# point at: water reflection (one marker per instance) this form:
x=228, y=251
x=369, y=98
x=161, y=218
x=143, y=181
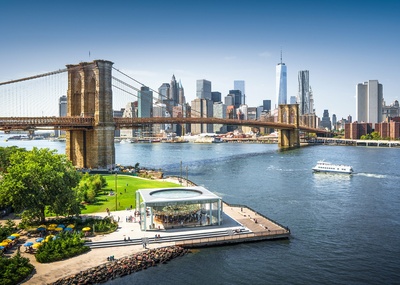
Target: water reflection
x=333, y=181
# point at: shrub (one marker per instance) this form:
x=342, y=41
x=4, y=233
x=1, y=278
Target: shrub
x=66, y=245
x=14, y=269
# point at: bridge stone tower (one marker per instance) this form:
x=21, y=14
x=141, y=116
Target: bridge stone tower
x=90, y=95
x=289, y=114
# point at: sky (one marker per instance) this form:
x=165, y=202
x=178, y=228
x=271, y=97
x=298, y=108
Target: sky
x=341, y=43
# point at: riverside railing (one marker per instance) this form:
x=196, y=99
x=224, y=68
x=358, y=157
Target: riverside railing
x=247, y=207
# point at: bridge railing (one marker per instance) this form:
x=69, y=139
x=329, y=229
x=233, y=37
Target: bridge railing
x=88, y=122
x=26, y=123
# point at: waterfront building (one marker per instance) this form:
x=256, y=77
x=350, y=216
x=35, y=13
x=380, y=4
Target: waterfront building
x=145, y=106
x=251, y=113
x=240, y=85
x=219, y=110
x=62, y=112
x=130, y=111
x=160, y=110
x=179, y=112
x=230, y=114
x=281, y=83
x=216, y=96
x=203, y=89
x=355, y=130
x=118, y=114
x=369, y=102
x=202, y=108
x=389, y=129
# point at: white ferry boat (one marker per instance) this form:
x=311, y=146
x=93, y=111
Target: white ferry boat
x=323, y=166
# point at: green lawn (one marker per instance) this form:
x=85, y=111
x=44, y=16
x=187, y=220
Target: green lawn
x=126, y=192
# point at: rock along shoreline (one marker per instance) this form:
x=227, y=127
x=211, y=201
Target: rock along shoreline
x=124, y=266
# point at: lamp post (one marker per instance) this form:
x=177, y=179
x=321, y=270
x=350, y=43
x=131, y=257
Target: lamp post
x=187, y=178
x=180, y=179
x=116, y=192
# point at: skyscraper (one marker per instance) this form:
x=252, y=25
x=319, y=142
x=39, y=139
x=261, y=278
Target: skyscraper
x=238, y=97
x=163, y=92
x=203, y=89
x=145, y=102
x=181, y=94
x=326, y=120
x=303, y=97
x=266, y=105
x=174, y=90
x=216, y=96
x=369, y=102
x=240, y=85
x=281, y=83
x=62, y=112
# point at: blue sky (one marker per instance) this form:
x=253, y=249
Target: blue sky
x=341, y=43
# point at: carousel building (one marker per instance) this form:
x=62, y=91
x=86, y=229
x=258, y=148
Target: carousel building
x=167, y=208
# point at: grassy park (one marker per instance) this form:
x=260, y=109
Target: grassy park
x=125, y=196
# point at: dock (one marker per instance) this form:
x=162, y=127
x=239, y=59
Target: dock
x=252, y=226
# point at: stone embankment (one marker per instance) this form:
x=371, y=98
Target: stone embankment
x=124, y=266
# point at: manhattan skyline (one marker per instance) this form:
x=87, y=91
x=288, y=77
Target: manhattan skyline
x=341, y=43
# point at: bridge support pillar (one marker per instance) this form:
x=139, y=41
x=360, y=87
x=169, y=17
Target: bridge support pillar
x=90, y=95
x=289, y=114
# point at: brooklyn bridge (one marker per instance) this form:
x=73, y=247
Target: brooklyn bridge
x=91, y=92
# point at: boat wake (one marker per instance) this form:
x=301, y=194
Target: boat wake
x=370, y=175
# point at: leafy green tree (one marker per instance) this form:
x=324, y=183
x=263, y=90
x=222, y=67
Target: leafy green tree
x=375, y=136
x=5, y=153
x=89, y=187
x=40, y=179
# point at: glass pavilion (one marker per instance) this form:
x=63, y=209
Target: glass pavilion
x=166, y=208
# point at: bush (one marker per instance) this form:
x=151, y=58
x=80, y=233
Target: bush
x=14, y=269
x=106, y=225
x=66, y=245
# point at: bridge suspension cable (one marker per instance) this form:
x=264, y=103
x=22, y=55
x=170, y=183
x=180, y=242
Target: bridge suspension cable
x=34, y=77
x=142, y=84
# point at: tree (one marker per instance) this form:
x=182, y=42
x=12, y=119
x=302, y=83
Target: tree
x=5, y=154
x=89, y=187
x=40, y=179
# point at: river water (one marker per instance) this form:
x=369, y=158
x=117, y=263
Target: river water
x=345, y=229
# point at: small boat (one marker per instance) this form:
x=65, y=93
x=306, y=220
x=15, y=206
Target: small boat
x=323, y=166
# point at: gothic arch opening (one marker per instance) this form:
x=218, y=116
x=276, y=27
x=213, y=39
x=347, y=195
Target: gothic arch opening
x=76, y=98
x=90, y=98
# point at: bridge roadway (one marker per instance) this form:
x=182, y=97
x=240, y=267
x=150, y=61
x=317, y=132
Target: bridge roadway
x=86, y=123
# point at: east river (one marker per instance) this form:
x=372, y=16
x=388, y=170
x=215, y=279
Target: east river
x=345, y=229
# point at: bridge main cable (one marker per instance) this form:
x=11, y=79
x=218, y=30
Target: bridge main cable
x=34, y=77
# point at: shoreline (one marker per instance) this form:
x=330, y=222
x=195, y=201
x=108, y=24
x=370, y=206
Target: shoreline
x=48, y=273
x=258, y=227
x=124, y=266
